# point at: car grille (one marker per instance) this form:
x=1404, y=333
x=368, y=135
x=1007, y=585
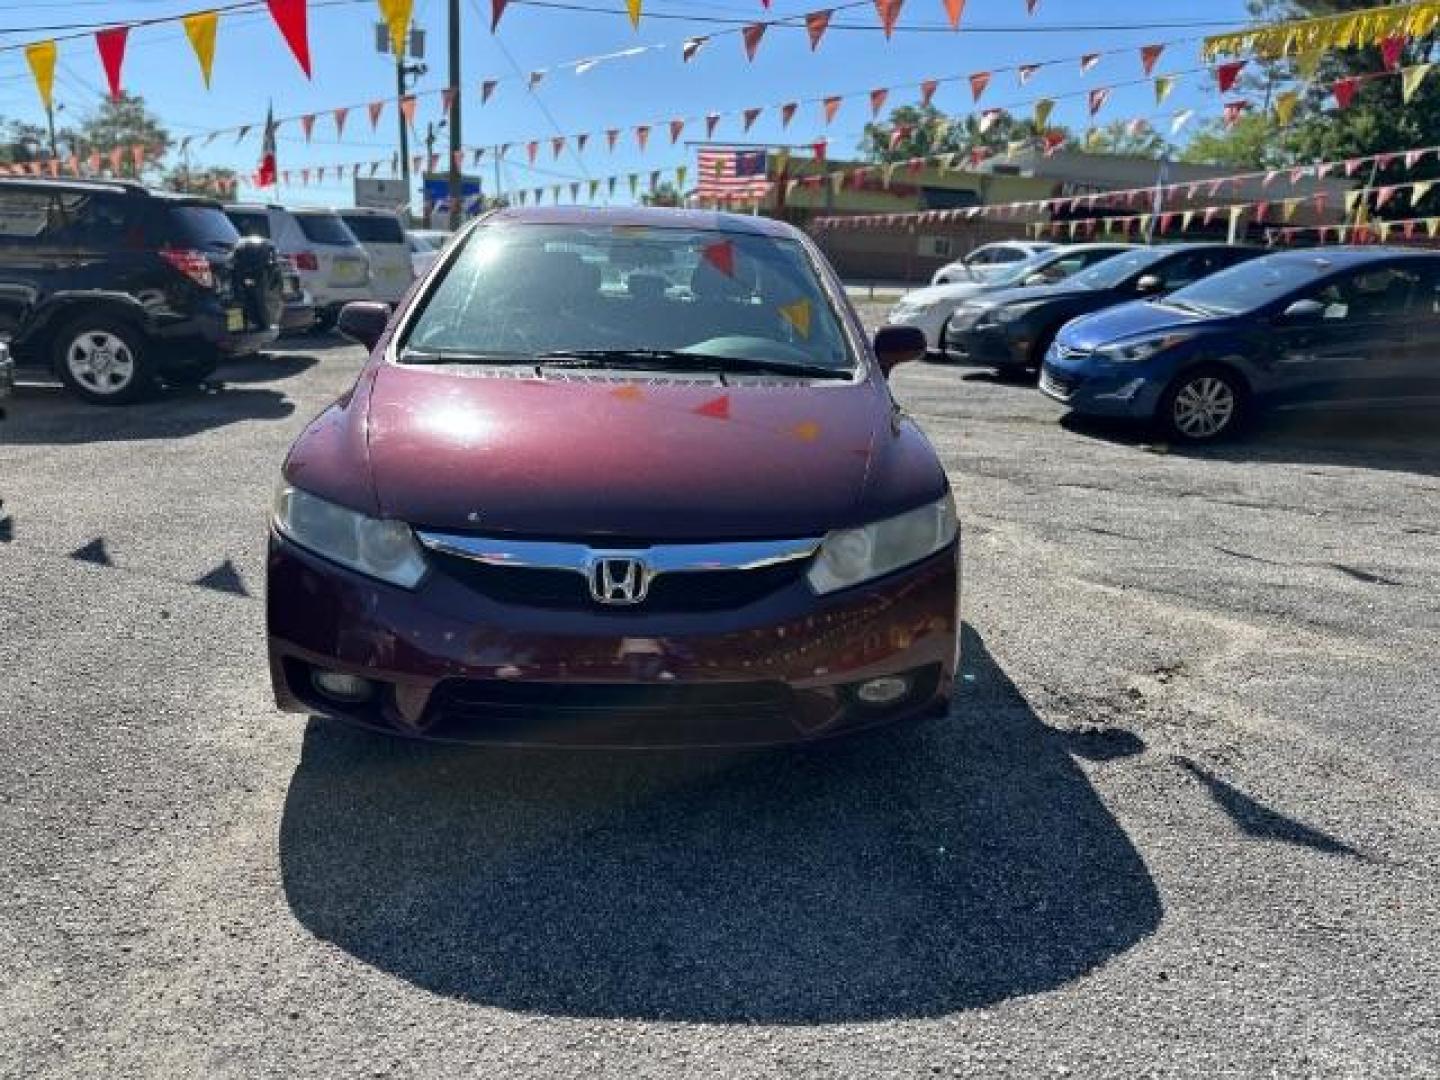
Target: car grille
x=710, y=590
x=658, y=713
x=1070, y=352
x=1060, y=386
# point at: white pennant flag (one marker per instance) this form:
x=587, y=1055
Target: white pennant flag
x=1181, y=119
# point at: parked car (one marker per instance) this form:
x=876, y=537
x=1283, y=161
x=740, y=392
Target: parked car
x=987, y=260
x=930, y=308
x=1296, y=330
x=334, y=268
x=115, y=288
x=425, y=248
x=297, y=313
x=682, y=512
x=1011, y=330
x=383, y=236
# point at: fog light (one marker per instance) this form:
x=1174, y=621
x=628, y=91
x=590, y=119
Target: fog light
x=884, y=691
x=342, y=687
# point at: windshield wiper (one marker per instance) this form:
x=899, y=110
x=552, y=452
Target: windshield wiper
x=449, y=356
x=689, y=361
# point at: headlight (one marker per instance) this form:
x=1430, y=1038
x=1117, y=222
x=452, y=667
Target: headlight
x=1008, y=313
x=1133, y=352
x=380, y=548
x=852, y=556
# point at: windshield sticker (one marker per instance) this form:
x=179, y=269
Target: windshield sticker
x=798, y=316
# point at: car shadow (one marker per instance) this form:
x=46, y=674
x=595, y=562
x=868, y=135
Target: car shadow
x=46, y=415
x=918, y=871
x=1393, y=440
x=268, y=367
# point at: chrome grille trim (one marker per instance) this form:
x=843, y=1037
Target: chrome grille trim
x=582, y=558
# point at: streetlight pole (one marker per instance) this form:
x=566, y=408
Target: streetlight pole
x=404, y=135
x=455, y=141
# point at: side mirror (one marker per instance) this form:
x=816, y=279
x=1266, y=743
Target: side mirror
x=363, y=321
x=1304, y=311
x=1037, y=279
x=896, y=345
x=1149, y=283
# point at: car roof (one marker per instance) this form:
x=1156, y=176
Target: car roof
x=653, y=217
x=312, y=211
x=1117, y=245
x=366, y=211
x=1342, y=257
x=253, y=208
x=119, y=187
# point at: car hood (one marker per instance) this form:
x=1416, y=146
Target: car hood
x=600, y=454
x=935, y=294
x=1033, y=293
x=1133, y=319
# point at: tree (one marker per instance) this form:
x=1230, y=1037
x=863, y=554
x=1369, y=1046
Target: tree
x=912, y=131
x=1118, y=137
x=199, y=181
x=666, y=194
x=1250, y=143
x=123, y=122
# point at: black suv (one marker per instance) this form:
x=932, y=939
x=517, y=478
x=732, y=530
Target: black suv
x=116, y=288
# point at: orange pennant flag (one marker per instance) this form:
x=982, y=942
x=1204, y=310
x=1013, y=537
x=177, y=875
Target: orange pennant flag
x=407, y=109
x=832, y=106
x=954, y=9
x=375, y=108
x=978, y=82
x=751, y=36
x=877, y=100
x=927, y=91
x=889, y=12
x=816, y=23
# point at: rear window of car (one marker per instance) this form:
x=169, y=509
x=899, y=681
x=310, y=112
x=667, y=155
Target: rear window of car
x=198, y=225
x=250, y=222
x=325, y=229
x=375, y=229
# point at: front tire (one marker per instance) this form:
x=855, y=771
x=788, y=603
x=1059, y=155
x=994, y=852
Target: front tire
x=104, y=360
x=1203, y=405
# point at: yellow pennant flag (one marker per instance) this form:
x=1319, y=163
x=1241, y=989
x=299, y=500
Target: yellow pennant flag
x=1290, y=207
x=1410, y=80
x=1308, y=63
x=798, y=316
x=1419, y=190
x=200, y=29
x=1186, y=220
x=633, y=6
x=1432, y=227
x=41, y=56
x=396, y=14
x=1285, y=103
x=1163, y=85
x=1043, y=108
x=1384, y=231
x=1093, y=137
x=1351, y=198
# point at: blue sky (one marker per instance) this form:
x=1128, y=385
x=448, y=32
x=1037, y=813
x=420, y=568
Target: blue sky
x=253, y=67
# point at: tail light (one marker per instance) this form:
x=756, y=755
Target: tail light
x=307, y=260
x=193, y=264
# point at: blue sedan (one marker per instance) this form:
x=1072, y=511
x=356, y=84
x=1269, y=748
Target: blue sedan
x=1331, y=328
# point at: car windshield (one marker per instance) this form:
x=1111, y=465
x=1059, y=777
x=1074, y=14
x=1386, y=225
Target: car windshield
x=1016, y=273
x=540, y=289
x=1111, y=272
x=325, y=229
x=375, y=228
x=1251, y=285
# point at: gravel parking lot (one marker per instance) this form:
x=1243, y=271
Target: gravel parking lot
x=1183, y=820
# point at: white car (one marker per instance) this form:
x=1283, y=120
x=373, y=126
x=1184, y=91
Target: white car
x=988, y=260
x=931, y=307
x=334, y=269
x=383, y=235
x=425, y=248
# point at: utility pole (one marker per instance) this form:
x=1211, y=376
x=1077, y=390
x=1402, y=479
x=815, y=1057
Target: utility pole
x=404, y=135
x=405, y=76
x=456, y=215
x=54, y=146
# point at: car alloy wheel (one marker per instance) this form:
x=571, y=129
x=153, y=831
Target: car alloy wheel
x=1204, y=407
x=101, y=362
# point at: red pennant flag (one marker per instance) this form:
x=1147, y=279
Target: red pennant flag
x=787, y=113
x=677, y=127
x=1408, y=232
x=711, y=119
x=818, y=148
x=375, y=108
x=1413, y=157
x=889, y=12
x=1392, y=49
x=1054, y=140
x=927, y=91
x=111, y=44
x=642, y=136
x=307, y=125
x=716, y=408
x=407, y=109
x=1149, y=54
x=816, y=23
x=953, y=10
x=751, y=36
x=749, y=116
x=978, y=82
x=1344, y=90
x=447, y=98
x=290, y=16
x=1232, y=111
x=720, y=255
x=497, y=8
x=487, y=88
x=1097, y=98
x=831, y=106
x=1383, y=195
x=877, y=101
x=339, y=116
x=899, y=134
x=612, y=134
x=557, y=146
x=1226, y=74
x=531, y=149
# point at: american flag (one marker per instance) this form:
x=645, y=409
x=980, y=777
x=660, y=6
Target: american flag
x=732, y=174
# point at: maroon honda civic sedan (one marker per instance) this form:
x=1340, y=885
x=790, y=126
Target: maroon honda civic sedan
x=617, y=478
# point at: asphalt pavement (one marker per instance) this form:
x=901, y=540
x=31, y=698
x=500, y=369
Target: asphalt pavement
x=1183, y=820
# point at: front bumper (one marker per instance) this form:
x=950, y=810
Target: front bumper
x=455, y=665
x=991, y=345
x=930, y=322
x=209, y=326
x=1096, y=388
